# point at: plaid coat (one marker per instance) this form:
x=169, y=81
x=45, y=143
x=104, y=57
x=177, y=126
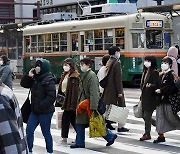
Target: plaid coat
x=12, y=139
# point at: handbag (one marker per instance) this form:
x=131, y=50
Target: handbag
x=104, y=81
x=137, y=109
x=97, y=125
x=26, y=109
x=117, y=114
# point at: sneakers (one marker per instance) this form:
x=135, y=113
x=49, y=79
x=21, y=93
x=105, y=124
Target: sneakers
x=77, y=146
x=112, y=141
x=145, y=137
x=159, y=139
x=62, y=141
x=123, y=129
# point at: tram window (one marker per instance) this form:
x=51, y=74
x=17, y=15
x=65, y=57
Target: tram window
x=40, y=43
x=167, y=40
x=74, y=38
x=34, y=43
x=89, y=41
x=48, y=43
x=55, y=41
x=98, y=39
x=154, y=39
x=27, y=44
x=138, y=40
x=108, y=38
x=63, y=41
x=119, y=34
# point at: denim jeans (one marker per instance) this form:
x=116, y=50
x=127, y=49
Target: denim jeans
x=45, y=123
x=80, y=136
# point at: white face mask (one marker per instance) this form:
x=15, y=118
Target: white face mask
x=84, y=68
x=164, y=66
x=37, y=69
x=117, y=55
x=147, y=64
x=66, y=68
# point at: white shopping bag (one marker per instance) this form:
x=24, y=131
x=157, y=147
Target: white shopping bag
x=117, y=114
x=59, y=118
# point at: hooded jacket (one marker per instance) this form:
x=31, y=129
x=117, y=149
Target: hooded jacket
x=43, y=90
x=6, y=74
x=173, y=53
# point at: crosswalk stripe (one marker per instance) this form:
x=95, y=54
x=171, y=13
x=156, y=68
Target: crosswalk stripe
x=66, y=149
x=100, y=142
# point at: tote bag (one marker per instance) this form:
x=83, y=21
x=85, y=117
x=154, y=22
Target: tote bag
x=97, y=125
x=26, y=109
x=117, y=114
x=137, y=109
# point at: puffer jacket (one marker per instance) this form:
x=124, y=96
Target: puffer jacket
x=43, y=92
x=6, y=74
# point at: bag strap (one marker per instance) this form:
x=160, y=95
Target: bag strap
x=110, y=68
x=29, y=93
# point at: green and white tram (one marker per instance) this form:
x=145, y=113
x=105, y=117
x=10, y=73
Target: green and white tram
x=137, y=35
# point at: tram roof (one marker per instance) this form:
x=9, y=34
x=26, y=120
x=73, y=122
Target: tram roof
x=71, y=25
x=162, y=8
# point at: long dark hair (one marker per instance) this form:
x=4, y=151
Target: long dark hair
x=153, y=61
x=72, y=65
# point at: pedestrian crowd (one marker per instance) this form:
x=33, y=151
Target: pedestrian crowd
x=80, y=94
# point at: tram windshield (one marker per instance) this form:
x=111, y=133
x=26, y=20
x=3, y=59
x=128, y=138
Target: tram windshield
x=154, y=39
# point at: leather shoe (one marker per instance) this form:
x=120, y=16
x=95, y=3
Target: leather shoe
x=112, y=141
x=110, y=127
x=159, y=139
x=123, y=129
x=77, y=146
x=145, y=137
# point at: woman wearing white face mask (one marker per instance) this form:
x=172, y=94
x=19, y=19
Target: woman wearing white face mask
x=68, y=87
x=149, y=83
x=88, y=89
x=165, y=118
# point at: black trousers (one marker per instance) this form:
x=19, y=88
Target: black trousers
x=68, y=117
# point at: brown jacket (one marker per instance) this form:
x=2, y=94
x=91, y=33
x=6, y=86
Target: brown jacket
x=71, y=94
x=114, y=84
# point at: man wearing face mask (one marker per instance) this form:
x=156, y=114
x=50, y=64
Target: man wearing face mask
x=113, y=92
x=43, y=94
x=68, y=87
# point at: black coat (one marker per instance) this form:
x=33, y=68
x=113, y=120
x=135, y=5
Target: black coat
x=43, y=92
x=148, y=97
x=167, y=87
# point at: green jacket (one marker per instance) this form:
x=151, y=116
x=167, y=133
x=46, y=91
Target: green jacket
x=89, y=82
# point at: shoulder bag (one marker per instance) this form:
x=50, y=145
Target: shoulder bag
x=26, y=109
x=137, y=109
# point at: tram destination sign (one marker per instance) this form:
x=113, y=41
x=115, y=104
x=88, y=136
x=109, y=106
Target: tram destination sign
x=154, y=23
